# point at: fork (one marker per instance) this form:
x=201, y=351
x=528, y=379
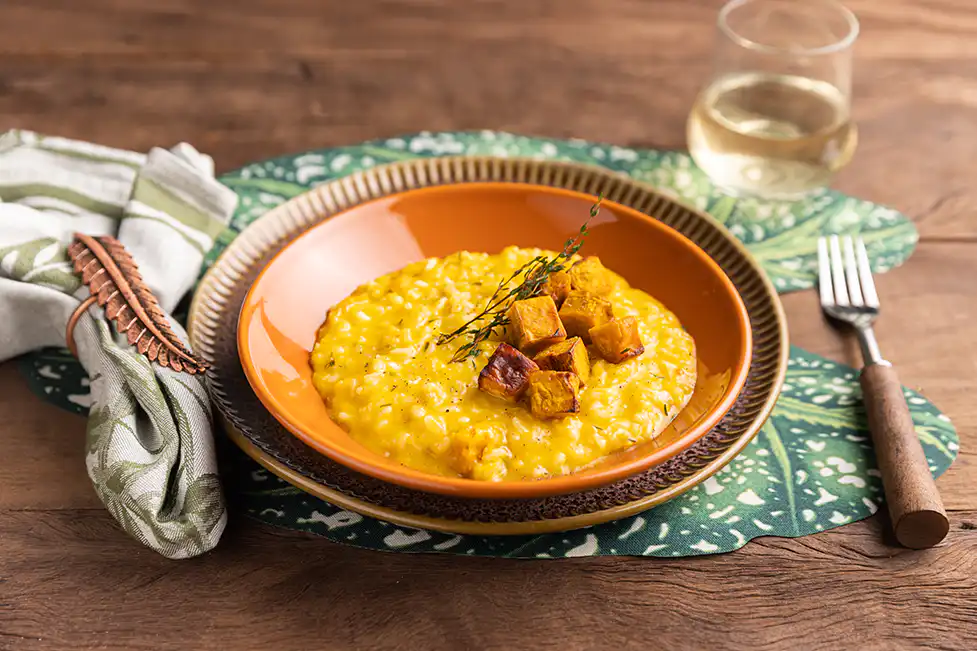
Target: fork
x=848, y=296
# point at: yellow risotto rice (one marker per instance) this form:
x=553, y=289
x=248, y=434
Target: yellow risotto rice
x=386, y=381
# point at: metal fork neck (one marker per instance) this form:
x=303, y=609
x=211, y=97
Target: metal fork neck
x=870, y=347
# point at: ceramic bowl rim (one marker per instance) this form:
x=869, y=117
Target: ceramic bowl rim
x=419, y=480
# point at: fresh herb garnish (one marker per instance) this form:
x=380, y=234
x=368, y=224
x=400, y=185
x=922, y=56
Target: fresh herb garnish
x=625, y=351
x=332, y=362
x=665, y=409
x=534, y=274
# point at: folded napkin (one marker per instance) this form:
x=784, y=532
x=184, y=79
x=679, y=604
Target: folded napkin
x=150, y=448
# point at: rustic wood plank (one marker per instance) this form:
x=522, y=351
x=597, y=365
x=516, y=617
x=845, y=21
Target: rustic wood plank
x=250, y=79
x=43, y=451
x=622, y=71
x=73, y=580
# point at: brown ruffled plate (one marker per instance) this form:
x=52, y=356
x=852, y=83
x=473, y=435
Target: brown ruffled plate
x=213, y=322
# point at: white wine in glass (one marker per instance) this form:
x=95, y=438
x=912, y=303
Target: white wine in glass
x=774, y=121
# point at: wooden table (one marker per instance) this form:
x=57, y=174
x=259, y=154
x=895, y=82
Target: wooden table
x=249, y=79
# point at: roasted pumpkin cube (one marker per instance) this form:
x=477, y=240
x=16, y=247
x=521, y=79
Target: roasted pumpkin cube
x=570, y=356
x=592, y=276
x=618, y=339
x=506, y=375
x=534, y=324
x=557, y=286
x=554, y=394
x=583, y=311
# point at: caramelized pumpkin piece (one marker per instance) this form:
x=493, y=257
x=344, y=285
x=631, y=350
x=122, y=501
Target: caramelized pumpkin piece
x=570, y=356
x=590, y=275
x=506, y=375
x=583, y=311
x=618, y=339
x=535, y=324
x=554, y=394
x=557, y=286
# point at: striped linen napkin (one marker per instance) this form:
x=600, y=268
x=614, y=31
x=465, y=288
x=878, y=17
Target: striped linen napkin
x=150, y=449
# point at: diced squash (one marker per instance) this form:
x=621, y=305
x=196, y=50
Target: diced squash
x=535, y=324
x=583, y=311
x=591, y=276
x=554, y=394
x=467, y=449
x=557, y=286
x=506, y=375
x=618, y=339
x=570, y=356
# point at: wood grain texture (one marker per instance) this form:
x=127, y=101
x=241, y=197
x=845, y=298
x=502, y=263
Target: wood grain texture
x=249, y=79
x=912, y=498
x=266, y=588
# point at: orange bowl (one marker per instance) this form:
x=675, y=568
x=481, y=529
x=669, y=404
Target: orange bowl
x=288, y=302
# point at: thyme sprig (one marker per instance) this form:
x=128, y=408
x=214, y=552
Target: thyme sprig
x=534, y=274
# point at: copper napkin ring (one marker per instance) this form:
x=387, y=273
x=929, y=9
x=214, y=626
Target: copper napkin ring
x=69, y=331
x=114, y=282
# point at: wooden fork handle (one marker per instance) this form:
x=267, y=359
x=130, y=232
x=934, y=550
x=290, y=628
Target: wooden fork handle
x=918, y=517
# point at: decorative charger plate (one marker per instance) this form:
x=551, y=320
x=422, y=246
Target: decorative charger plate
x=217, y=303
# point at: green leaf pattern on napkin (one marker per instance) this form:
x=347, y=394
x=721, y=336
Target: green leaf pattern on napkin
x=811, y=468
x=43, y=261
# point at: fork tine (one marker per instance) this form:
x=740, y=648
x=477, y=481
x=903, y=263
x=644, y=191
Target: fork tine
x=865, y=275
x=851, y=272
x=838, y=273
x=824, y=273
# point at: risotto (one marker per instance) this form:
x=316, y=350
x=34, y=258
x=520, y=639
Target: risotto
x=382, y=366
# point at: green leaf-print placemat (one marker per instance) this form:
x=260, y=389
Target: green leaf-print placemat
x=811, y=467
x=783, y=236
